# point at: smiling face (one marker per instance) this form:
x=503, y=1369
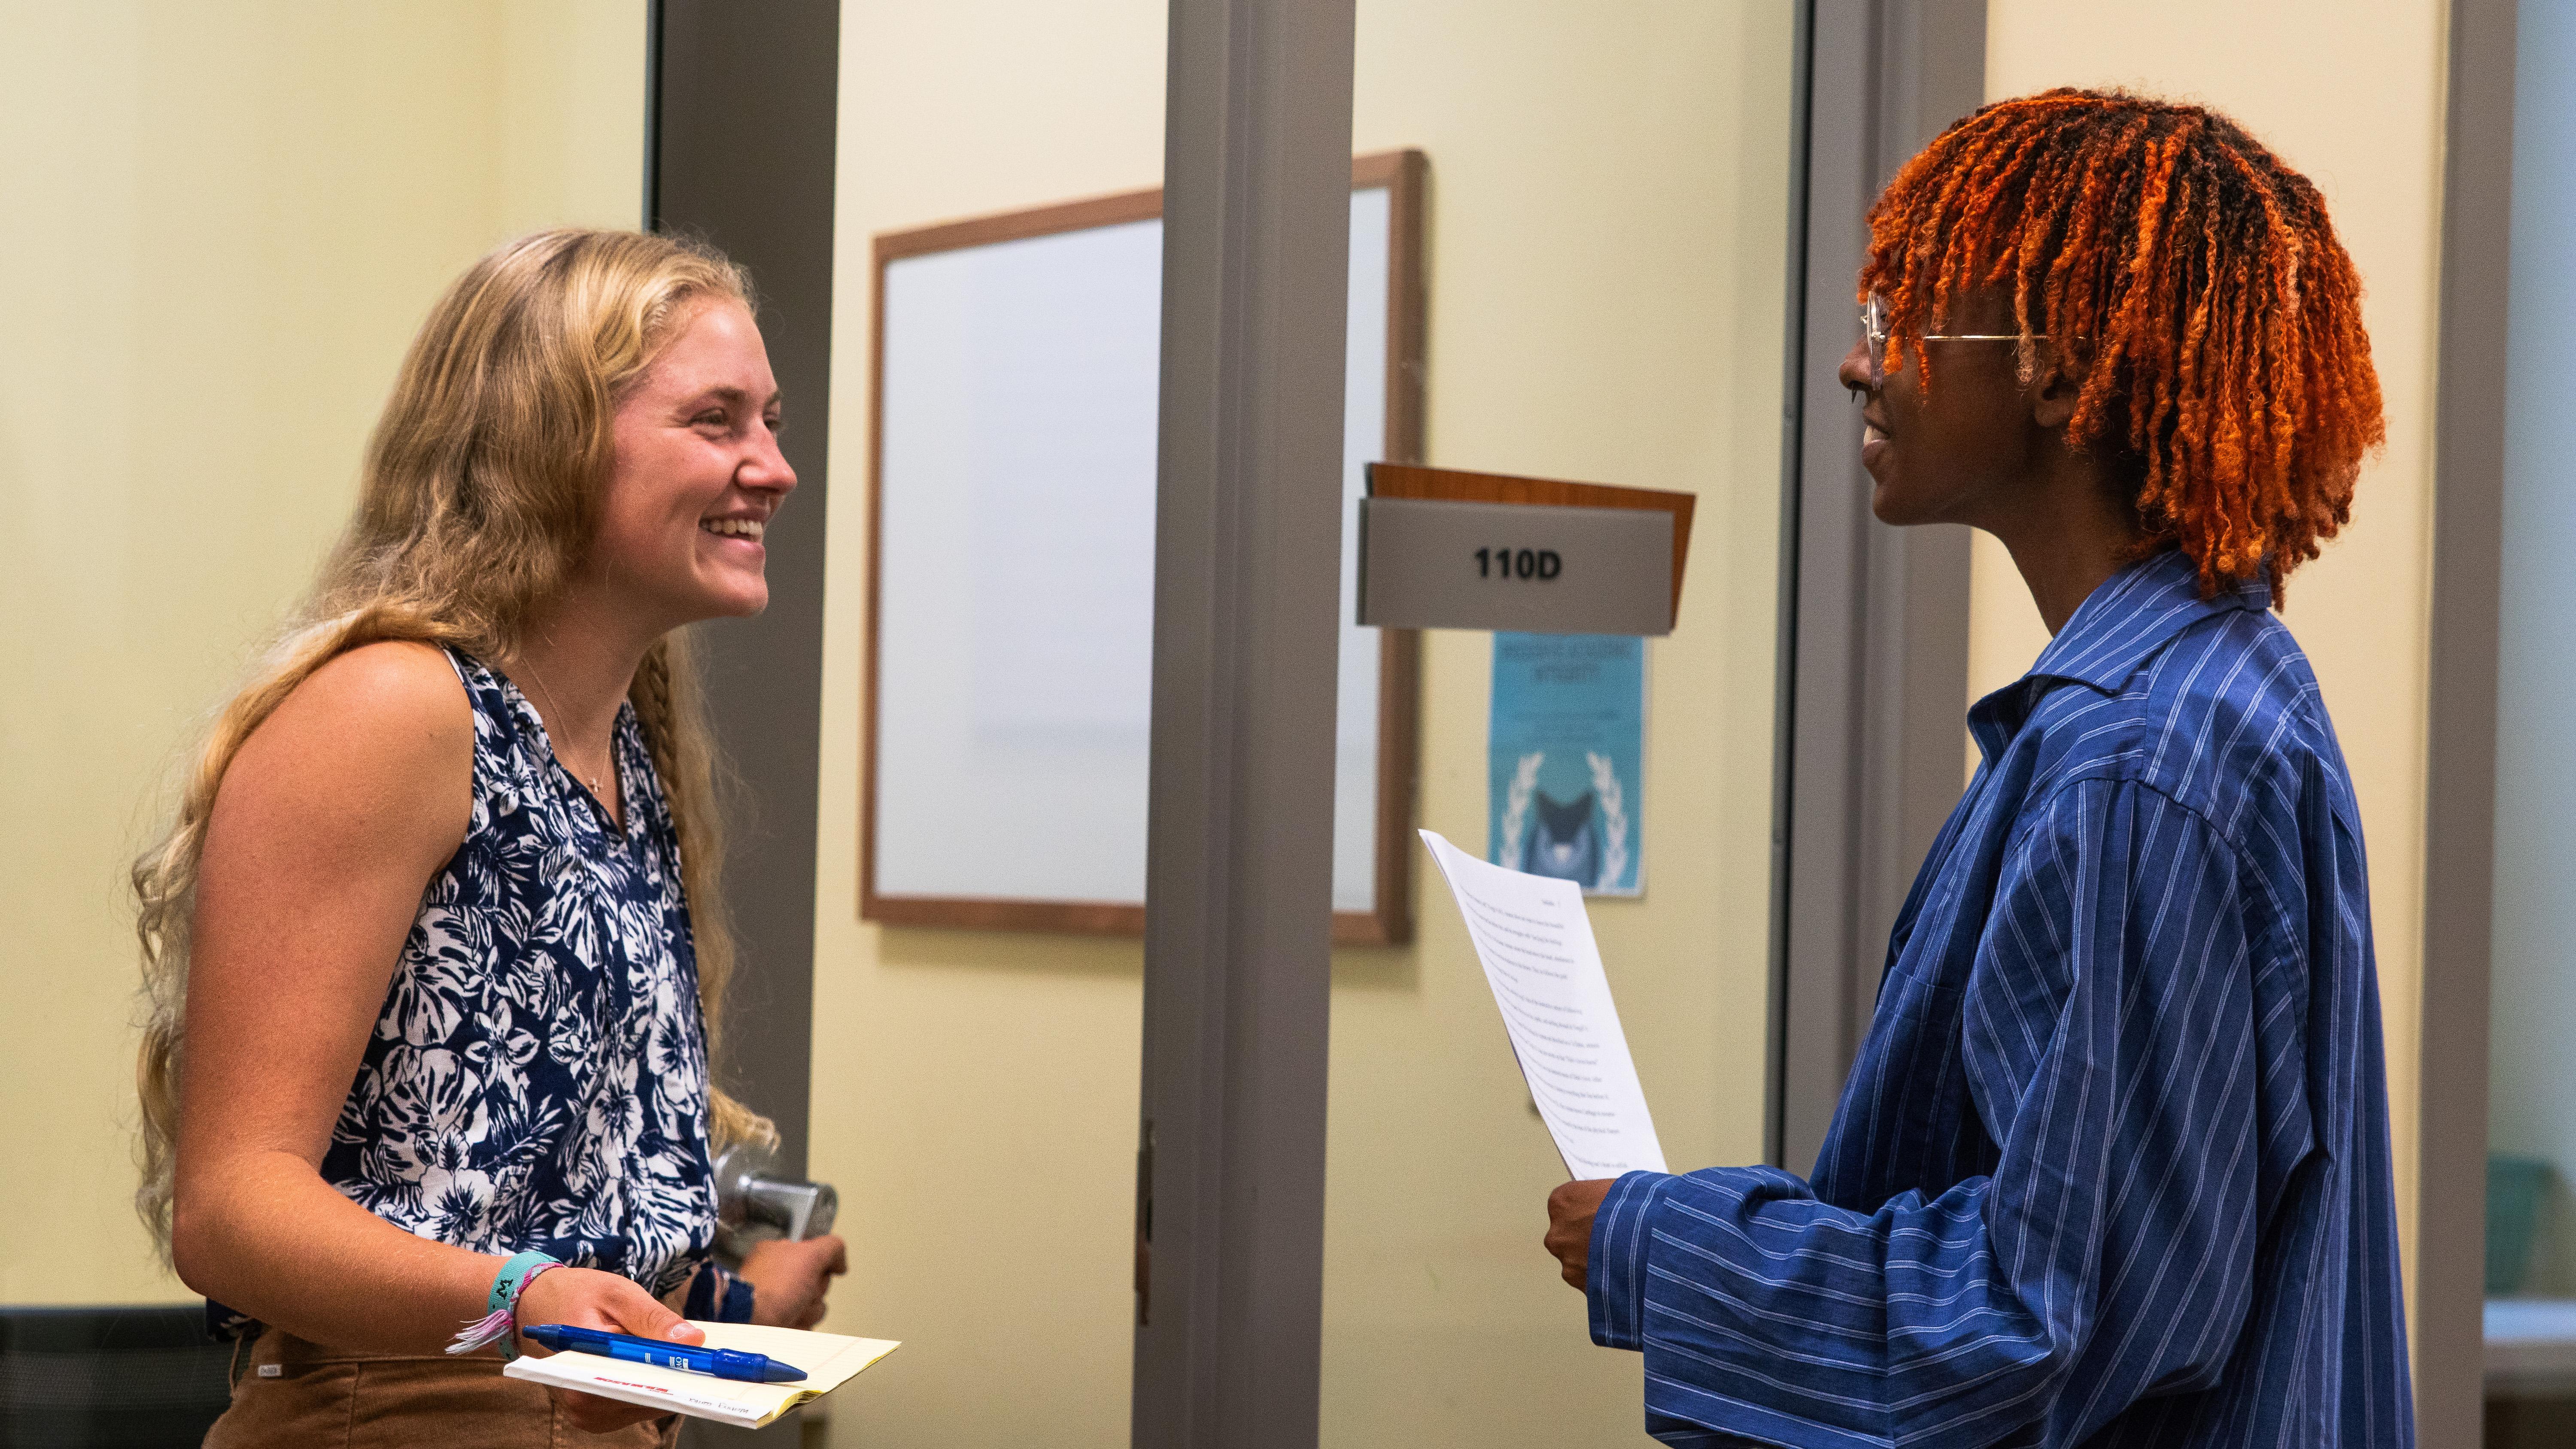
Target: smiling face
x=698, y=476
x=1956, y=452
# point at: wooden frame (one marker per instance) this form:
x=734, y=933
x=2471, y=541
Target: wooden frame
x=1403, y=175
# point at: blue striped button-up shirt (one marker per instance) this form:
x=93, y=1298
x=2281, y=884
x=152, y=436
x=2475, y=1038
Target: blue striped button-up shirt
x=2113, y=1165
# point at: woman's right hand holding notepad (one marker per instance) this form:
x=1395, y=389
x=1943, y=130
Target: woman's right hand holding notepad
x=612, y=1303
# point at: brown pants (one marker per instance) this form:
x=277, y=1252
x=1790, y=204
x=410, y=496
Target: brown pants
x=291, y=1394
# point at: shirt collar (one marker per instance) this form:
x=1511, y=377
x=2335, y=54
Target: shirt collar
x=2117, y=629
x=2132, y=614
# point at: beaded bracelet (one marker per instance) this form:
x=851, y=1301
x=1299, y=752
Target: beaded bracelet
x=500, y=1325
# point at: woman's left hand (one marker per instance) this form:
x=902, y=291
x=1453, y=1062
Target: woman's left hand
x=788, y=1280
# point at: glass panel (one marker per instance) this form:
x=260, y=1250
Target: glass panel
x=1606, y=260
x=225, y=223
x=2531, y=1217
x=976, y=1038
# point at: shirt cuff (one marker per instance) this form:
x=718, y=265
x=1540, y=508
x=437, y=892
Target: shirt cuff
x=1615, y=1274
x=718, y=1296
x=737, y=1301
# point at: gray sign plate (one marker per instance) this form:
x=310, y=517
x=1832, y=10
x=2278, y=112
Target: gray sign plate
x=1529, y=567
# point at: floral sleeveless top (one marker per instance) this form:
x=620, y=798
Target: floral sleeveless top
x=538, y=1077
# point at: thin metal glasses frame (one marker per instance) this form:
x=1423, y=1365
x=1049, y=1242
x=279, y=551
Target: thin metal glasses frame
x=1873, y=325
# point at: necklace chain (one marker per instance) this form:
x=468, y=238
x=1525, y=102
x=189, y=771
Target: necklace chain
x=597, y=790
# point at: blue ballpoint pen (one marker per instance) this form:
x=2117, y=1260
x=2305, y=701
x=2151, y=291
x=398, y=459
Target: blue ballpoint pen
x=722, y=1363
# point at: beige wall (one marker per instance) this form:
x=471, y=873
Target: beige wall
x=225, y=222
x=1608, y=230
x=2351, y=93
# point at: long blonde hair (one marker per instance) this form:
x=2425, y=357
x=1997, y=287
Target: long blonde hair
x=480, y=493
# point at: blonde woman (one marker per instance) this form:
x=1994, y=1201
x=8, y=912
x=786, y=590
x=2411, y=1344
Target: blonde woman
x=430, y=945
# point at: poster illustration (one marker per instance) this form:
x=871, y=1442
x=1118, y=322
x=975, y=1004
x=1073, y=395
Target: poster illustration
x=1565, y=758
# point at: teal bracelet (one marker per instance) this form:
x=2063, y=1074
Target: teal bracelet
x=499, y=1325
x=505, y=1285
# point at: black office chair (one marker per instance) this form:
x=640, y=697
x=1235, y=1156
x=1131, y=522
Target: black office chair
x=110, y=1377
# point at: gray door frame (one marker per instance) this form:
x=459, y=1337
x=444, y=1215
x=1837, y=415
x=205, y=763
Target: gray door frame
x=740, y=127
x=1238, y=861
x=2460, y=783
x=1874, y=620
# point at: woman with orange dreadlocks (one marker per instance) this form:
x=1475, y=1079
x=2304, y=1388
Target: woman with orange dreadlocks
x=2113, y=1165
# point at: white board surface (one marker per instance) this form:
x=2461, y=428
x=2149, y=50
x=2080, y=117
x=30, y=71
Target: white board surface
x=1015, y=613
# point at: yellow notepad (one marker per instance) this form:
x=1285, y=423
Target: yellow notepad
x=828, y=1359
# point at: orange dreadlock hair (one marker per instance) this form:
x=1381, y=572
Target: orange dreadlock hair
x=2217, y=319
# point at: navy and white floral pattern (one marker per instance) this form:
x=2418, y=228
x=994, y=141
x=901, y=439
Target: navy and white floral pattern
x=538, y=1077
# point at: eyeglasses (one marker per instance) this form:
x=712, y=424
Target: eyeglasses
x=1873, y=325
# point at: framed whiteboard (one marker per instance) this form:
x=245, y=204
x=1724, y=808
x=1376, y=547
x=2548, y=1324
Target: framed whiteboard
x=1011, y=571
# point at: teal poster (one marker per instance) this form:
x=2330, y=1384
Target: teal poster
x=1565, y=758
